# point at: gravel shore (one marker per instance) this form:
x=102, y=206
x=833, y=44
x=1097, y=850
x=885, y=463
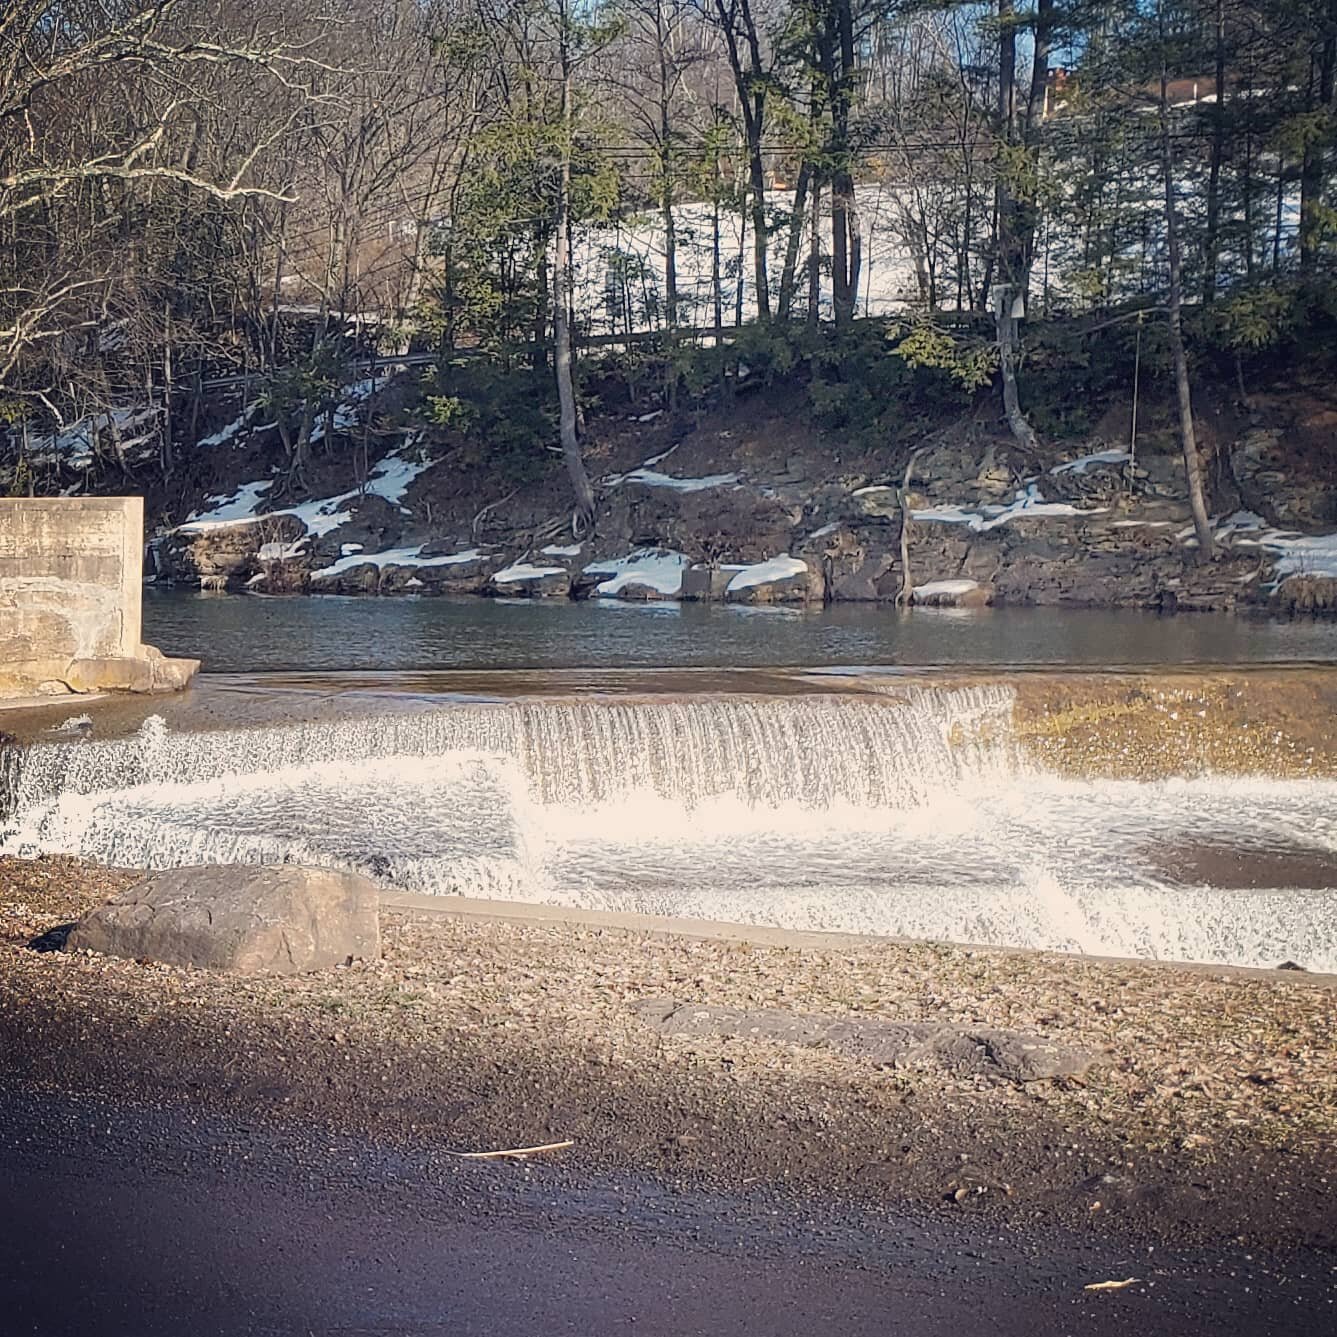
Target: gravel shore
x=1211, y=1114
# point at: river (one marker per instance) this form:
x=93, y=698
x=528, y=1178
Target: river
x=518, y=752
x=233, y=633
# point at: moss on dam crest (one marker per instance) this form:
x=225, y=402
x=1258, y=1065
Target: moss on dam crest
x=1277, y=723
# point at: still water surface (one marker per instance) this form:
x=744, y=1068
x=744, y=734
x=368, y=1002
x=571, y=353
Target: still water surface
x=237, y=634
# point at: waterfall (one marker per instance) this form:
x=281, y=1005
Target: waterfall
x=916, y=813
x=818, y=750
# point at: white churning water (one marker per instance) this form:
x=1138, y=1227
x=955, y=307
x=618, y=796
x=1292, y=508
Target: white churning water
x=912, y=815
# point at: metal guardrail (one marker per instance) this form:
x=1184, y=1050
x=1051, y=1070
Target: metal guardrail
x=601, y=341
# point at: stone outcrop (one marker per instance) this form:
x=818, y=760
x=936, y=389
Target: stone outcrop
x=962, y=1050
x=281, y=920
x=526, y=581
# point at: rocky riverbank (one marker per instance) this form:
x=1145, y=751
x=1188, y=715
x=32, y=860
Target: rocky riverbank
x=750, y=502
x=1207, y=1109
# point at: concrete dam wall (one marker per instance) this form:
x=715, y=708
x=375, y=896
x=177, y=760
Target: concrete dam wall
x=71, y=581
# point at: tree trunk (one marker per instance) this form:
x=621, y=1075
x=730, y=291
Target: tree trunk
x=1314, y=168
x=815, y=256
x=749, y=82
x=760, y=228
x=905, y=595
x=670, y=263
x=1212, y=240
x=538, y=355
x=1202, y=525
x=1009, y=289
x=670, y=237
x=1005, y=326
x=566, y=390
x=845, y=243
x=798, y=216
x=742, y=251
x=716, y=277
x=165, y=453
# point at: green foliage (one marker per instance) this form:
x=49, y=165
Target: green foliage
x=502, y=418
x=21, y=479
x=451, y=411
x=314, y=380
x=864, y=385
x=770, y=351
x=923, y=342
x=1253, y=318
x=497, y=242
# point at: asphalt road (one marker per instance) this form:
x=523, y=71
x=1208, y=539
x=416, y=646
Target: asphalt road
x=125, y=1220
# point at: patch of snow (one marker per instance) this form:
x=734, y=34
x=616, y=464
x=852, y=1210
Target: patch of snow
x=392, y=477
x=876, y=487
x=391, y=557
x=1302, y=554
x=238, y=509
x=1296, y=554
x=762, y=573
x=948, y=515
x=1028, y=504
x=663, y=455
x=348, y=549
x=947, y=588
x=320, y=517
x=1081, y=465
x=76, y=441
x=281, y=552
x=825, y=530
x=413, y=583
x=650, y=478
x=659, y=568
x=1241, y=522
x=650, y=417
x=227, y=433
x=571, y=550
x=389, y=479
x=524, y=571
x=350, y=398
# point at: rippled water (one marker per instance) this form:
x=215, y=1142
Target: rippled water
x=237, y=633
x=917, y=815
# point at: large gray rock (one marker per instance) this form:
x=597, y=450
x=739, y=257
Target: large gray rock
x=280, y=920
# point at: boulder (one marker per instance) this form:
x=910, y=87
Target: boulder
x=525, y=581
x=703, y=582
x=961, y=592
x=782, y=579
x=278, y=920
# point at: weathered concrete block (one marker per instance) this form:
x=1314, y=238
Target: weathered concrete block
x=71, y=579
x=281, y=920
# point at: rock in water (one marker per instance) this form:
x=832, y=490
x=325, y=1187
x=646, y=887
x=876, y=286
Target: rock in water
x=281, y=920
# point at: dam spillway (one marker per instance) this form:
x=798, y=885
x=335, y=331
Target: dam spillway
x=926, y=810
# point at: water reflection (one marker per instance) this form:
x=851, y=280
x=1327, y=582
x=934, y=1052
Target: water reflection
x=234, y=633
